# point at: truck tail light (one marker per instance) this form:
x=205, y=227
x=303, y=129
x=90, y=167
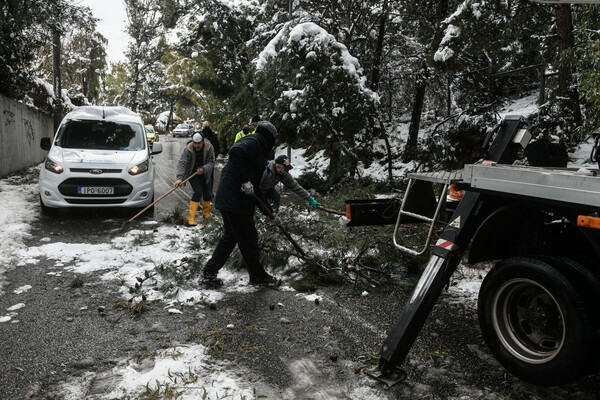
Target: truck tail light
x=588, y=222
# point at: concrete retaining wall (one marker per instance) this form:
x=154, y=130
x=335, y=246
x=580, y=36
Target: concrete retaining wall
x=21, y=129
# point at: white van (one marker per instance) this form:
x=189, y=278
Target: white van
x=99, y=158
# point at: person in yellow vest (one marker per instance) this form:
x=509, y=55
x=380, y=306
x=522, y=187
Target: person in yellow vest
x=244, y=132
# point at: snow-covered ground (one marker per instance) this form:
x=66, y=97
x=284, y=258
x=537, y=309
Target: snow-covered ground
x=121, y=259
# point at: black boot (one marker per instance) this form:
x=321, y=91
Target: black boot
x=210, y=281
x=268, y=281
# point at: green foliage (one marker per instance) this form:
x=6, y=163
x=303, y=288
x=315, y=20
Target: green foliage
x=454, y=144
x=16, y=46
x=586, y=54
x=330, y=247
x=313, y=90
x=503, y=45
x=114, y=85
x=143, y=239
x=313, y=81
x=554, y=120
x=77, y=282
x=26, y=43
x=83, y=57
x=176, y=216
x=312, y=181
x=134, y=308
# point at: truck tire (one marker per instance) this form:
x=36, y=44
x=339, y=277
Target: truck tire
x=588, y=287
x=535, y=322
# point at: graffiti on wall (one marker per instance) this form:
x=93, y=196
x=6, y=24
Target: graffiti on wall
x=9, y=117
x=29, y=131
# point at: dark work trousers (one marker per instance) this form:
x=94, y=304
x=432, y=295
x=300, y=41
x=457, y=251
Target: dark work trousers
x=202, y=189
x=274, y=199
x=238, y=229
x=212, y=180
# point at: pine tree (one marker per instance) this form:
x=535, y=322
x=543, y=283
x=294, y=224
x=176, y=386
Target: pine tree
x=315, y=92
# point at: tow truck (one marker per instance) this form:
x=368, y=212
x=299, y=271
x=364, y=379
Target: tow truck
x=538, y=306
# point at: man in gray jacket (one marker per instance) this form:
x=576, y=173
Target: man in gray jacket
x=197, y=156
x=278, y=171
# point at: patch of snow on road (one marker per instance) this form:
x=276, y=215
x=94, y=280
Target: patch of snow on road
x=16, y=307
x=186, y=370
x=16, y=200
x=22, y=289
x=127, y=259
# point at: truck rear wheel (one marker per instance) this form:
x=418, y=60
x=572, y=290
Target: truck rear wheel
x=535, y=322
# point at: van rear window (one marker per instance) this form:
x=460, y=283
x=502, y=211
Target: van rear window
x=100, y=135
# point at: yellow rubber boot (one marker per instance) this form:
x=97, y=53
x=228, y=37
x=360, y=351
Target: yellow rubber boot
x=192, y=214
x=206, y=209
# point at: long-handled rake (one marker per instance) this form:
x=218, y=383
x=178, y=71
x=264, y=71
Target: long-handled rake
x=156, y=201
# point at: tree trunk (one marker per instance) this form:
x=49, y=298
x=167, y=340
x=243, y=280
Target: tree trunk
x=379, y=48
x=136, y=84
x=170, y=119
x=566, y=88
x=415, y=119
x=335, y=168
x=333, y=8
x=56, y=83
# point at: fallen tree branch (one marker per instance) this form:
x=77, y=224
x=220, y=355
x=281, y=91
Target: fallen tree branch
x=359, y=272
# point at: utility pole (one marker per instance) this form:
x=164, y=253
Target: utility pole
x=56, y=76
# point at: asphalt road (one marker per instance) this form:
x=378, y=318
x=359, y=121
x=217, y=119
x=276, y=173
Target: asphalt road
x=293, y=349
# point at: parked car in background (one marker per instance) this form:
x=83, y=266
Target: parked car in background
x=151, y=135
x=183, y=130
x=99, y=158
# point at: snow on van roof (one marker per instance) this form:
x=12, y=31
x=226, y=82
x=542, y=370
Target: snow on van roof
x=109, y=113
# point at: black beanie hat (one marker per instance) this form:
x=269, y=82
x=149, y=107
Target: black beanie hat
x=265, y=127
x=284, y=161
x=256, y=118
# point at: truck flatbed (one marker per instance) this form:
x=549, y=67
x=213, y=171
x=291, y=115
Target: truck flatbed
x=565, y=185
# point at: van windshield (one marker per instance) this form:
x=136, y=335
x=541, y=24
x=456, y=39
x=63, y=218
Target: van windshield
x=100, y=135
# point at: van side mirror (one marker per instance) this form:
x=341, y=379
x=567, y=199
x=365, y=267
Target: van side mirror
x=46, y=143
x=156, y=148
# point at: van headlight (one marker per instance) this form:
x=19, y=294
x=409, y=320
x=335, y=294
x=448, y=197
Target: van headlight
x=53, y=167
x=140, y=168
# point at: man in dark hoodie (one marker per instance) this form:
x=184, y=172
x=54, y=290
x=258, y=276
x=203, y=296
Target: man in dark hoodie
x=241, y=174
x=212, y=137
x=214, y=140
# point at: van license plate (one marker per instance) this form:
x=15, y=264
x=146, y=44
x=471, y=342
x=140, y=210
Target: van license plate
x=95, y=190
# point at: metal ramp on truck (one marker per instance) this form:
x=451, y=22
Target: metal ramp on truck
x=443, y=178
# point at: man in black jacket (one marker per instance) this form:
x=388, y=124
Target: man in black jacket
x=241, y=174
x=211, y=136
x=214, y=140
